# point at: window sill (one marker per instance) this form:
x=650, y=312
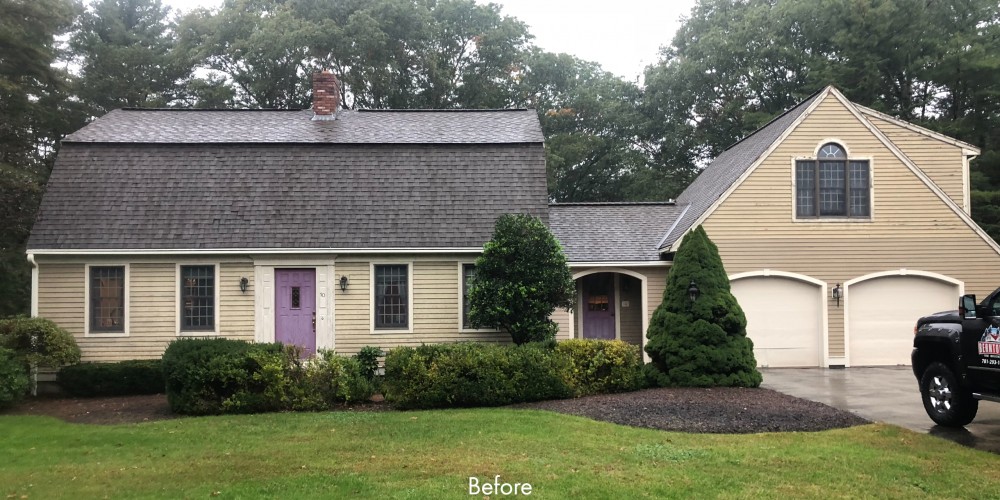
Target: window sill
x=105, y=335
x=198, y=333
x=478, y=330
x=380, y=331
x=834, y=220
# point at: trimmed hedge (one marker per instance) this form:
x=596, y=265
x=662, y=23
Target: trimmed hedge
x=124, y=378
x=602, y=366
x=471, y=374
x=14, y=380
x=218, y=375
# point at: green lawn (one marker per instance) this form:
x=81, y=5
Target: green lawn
x=431, y=454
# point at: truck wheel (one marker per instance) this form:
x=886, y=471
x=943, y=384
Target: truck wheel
x=946, y=401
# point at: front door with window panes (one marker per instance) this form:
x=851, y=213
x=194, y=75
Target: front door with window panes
x=599, y=306
x=295, y=308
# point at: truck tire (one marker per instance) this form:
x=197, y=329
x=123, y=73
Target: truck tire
x=945, y=400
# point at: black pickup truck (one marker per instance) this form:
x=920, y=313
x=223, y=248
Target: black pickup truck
x=956, y=358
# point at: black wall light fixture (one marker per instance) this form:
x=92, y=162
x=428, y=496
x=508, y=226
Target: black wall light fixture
x=343, y=283
x=244, y=282
x=693, y=291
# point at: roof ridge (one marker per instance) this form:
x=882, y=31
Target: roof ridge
x=434, y=110
x=612, y=203
x=211, y=109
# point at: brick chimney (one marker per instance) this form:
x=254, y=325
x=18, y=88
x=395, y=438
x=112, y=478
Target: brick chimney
x=326, y=96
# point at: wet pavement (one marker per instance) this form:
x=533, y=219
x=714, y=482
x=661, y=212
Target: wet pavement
x=883, y=394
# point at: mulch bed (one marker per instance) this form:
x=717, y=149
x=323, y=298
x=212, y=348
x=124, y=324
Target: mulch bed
x=718, y=410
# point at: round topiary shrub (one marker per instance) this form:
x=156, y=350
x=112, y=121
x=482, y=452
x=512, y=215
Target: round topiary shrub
x=13, y=378
x=701, y=342
x=38, y=341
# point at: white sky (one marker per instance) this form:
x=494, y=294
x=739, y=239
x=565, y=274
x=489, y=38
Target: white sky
x=624, y=36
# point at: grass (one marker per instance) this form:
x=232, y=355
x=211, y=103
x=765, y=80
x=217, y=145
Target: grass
x=431, y=454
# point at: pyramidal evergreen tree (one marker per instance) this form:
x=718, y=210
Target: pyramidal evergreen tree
x=700, y=343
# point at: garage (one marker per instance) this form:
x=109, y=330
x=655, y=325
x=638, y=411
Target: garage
x=881, y=311
x=784, y=319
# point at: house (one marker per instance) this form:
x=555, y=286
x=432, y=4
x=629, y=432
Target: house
x=332, y=228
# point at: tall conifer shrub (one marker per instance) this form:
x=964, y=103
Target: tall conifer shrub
x=701, y=343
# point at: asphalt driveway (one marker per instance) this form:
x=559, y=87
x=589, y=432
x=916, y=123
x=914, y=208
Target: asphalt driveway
x=883, y=394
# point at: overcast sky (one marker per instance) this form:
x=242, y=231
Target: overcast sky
x=622, y=35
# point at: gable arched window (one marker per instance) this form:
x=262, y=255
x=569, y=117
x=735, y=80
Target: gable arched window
x=832, y=185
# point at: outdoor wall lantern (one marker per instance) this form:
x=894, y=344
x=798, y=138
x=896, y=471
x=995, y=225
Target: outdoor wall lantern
x=343, y=283
x=837, y=293
x=693, y=291
x=243, y=284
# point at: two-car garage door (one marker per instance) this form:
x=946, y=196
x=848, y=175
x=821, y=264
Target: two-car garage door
x=785, y=316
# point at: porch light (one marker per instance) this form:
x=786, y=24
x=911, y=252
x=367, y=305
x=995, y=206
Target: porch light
x=837, y=293
x=693, y=291
x=343, y=283
x=243, y=284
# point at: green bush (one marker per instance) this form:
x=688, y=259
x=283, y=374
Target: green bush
x=471, y=374
x=212, y=376
x=601, y=366
x=704, y=342
x=123, y=378
x=368, y=358
x=13, y=378
x=38, y=341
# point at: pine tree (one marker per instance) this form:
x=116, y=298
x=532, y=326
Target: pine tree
x=701, y=343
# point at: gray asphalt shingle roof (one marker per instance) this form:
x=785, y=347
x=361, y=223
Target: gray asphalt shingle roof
x=719, y=175
x=296, y=126
x=595, y=232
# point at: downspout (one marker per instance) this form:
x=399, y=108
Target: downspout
x=34, y=314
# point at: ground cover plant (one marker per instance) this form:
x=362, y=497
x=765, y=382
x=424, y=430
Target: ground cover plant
x=432, y=454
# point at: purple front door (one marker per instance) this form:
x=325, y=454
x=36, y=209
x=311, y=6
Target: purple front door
x=599, y=306
x=295, y=304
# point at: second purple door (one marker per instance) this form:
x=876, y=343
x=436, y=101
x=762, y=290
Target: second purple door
x=599, y=306
x=295, y=308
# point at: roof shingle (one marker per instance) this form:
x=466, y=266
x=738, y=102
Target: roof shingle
x=605, y=232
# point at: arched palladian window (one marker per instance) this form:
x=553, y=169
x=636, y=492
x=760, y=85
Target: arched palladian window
x=832, y=185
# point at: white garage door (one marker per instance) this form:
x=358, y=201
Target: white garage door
x=784, y=319
x=882, y=312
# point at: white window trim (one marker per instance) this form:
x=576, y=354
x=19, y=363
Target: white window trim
x=86, y=301
x=177, y=300
x=409, y=296
x=461, y=317
x=830, y=219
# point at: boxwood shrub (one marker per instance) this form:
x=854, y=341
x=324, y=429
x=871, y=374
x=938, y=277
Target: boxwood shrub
x=13, y=378
x=218, y=375
x=124, y=378
x=472, y=374
x=602, y=366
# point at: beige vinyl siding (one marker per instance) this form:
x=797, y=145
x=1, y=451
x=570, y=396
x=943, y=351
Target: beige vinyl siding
x=152, y=307
x=236, y=309
x=911, y=227
x=942, y=162
x=561, y=317
x=435, y=316
x=630, y=317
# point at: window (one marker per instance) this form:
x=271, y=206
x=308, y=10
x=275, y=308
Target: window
x=107, y=299
x=468, y=271
x=197, y=298
x=832, y=185
x=391, y=296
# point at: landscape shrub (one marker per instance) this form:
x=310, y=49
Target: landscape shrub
x=124, y=378
x=14, y=380
x=212, y=376
x=601, y=366
x=472, y=374
x=38, y=341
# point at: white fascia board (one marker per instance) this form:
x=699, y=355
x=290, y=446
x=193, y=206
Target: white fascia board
x=255, y=251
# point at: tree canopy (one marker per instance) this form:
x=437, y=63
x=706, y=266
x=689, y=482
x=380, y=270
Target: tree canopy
x=732, y=66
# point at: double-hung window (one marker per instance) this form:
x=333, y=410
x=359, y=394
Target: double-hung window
x=832, y=185
x=392, y=301
x=107, y=299
x=197, y=289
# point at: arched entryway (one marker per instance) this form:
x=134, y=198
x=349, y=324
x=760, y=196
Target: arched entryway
x=611, y=304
